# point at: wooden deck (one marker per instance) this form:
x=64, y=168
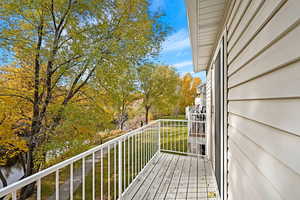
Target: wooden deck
x=170, y=176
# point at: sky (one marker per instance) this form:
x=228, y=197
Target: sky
x=176, y=50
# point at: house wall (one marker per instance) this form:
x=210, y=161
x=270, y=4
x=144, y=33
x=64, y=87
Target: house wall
x=263, y=61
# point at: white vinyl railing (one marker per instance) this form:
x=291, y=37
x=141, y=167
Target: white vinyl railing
x=182, y=136
x=106, y=171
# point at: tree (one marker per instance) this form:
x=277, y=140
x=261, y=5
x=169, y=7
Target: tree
x=188, y=91
x=13, y=116
x=118, y=83
x=157, y=85
x=65, y=43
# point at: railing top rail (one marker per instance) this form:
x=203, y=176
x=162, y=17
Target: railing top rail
x=33, y=178
x=174, y=120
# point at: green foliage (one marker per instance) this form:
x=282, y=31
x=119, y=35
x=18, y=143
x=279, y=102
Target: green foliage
x=158, y=87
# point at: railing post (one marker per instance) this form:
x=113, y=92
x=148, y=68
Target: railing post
x=159, y=135
x=120, y=169
x=189, y=123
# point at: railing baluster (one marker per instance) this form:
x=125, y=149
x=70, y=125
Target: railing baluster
x=120, y=169
x=181, y=137
x=93, y=176
x=108, y=171
x=124, y=157
x=136, y=153
x=57, y=184
x=14, y=195
x=128, y=161
x=147, y=143
x=174, y=136
x=145, y=146
x=115, y=171
x=71, y=181
x=171, y=135
x=186, y=140
x=196, y=137
x=132, y=157
x=141, y=149
x=168, y=134
x=101, y=173
x=150, y=142
x=162, y=145
x=38, y=189
x=83, y=178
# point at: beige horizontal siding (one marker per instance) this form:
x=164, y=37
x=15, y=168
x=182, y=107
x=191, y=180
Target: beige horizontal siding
x=282, y=114
x=232, y=14
x=276, y=84
x=250, y=13
x=283, y=179
x=255, y=177
x=263, y=134
x=241, y=183
x=239, y=15
x=278, y=55
x=262, y=17
x=263, y=49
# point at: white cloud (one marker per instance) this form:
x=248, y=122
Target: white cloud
x=183, y=64
x=177, y=41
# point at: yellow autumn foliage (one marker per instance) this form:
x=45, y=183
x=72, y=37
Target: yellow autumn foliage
x=14, y=116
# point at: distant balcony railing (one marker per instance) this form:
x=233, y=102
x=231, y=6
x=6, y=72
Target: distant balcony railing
x=106, y=171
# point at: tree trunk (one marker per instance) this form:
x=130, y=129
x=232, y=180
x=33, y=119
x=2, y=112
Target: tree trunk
x=147, y=108
x=28, y=190
x=3, y=179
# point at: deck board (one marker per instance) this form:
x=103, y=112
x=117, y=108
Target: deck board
x=174, y=177
x=157, y=181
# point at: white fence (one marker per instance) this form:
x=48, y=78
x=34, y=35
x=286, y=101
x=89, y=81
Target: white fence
x=106, y=171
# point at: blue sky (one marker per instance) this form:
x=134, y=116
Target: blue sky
x=176, y=49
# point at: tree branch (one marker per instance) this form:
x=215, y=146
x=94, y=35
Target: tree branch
x=53, y=16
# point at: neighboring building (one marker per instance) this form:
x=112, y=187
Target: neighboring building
x=201, y=95
x=250, y=50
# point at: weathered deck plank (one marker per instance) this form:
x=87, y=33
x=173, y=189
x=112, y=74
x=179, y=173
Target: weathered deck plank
x=140, y=179
x=147, y=182
x=157, y=181
x=174, y=177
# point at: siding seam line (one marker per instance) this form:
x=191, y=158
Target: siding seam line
x=242, y=168
x=246, y=26
x=253, y=164
x=273, y=42
x=212, y=5
x=235, y=13
x=262, y=123
x=260, y=28
x=260, y=147
x=242, y=16
x=279, y=67
x=267, y=98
